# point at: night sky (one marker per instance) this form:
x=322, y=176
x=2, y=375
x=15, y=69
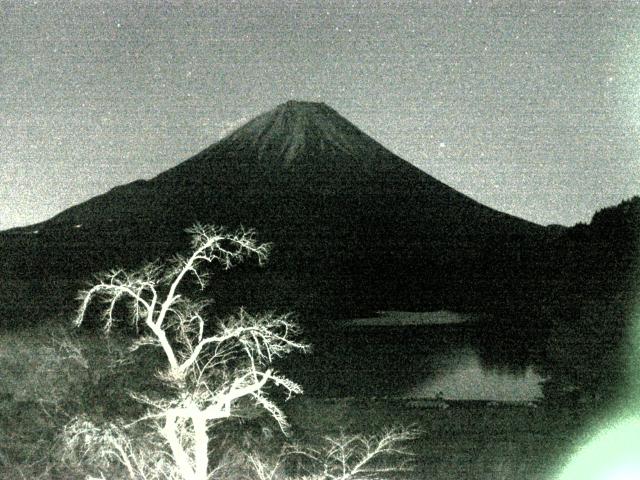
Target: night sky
x=531, y=108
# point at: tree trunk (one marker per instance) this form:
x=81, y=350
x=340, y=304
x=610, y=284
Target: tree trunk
x=179, y=455
x=201, y=447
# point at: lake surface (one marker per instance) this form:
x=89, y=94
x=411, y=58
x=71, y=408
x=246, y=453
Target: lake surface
x=420, y=356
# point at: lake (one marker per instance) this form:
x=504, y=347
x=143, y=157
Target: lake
x=421, y=355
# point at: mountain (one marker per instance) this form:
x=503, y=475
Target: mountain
x=354, y=226
x=299, y=152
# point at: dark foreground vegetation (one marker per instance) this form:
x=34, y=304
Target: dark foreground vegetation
x=185, y=415
x=50, y=376
x=578, y=297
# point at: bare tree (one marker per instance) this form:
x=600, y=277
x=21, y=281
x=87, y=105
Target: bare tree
x=210, y=368
x=344, y=457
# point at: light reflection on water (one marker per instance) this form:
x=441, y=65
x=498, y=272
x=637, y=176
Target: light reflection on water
x=461, y=360
x=463, y=377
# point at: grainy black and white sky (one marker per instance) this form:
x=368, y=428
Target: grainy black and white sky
x=532, y=108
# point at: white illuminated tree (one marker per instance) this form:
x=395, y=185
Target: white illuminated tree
x=345, y=457
x=210, y=368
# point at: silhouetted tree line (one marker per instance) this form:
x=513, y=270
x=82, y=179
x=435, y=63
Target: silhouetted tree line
x=593, y=276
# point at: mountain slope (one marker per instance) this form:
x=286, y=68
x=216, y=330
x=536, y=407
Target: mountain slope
x=297, y=150
x=351, y=221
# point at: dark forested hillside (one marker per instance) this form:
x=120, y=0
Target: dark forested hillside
x=593, y=298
